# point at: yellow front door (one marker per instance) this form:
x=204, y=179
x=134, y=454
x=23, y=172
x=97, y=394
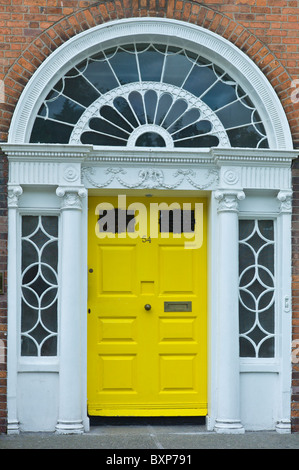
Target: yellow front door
x=147, y=307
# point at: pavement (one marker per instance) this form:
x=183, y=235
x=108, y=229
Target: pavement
x=149, y=438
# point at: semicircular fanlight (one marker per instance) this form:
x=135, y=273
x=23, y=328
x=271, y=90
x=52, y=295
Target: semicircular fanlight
x=106, y=97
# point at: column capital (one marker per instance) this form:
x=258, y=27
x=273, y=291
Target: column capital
x=71, y=196
x=228, y=200
x=285, y=199
x=13, y=194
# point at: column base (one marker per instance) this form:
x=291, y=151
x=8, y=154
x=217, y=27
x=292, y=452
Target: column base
x=228, y=427
x=13, y=427
x=69, y=427
x=283, y=427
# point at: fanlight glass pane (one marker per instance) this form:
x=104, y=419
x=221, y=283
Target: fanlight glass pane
x=150, y=139
x=194, y=101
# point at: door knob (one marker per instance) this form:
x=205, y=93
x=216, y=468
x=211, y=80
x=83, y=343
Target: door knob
x=147, y=306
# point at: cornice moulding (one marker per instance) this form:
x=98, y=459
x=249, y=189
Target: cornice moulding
x=151, y=156
x=45, y=152
x=257, y=157
x=92, y=154
x=52, y=164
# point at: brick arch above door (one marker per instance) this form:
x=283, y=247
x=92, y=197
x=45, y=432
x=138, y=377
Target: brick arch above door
x=66, y=23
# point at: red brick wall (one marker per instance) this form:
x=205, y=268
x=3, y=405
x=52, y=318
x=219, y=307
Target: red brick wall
x=266, y=30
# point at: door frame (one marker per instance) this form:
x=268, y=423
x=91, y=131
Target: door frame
x=225, y=175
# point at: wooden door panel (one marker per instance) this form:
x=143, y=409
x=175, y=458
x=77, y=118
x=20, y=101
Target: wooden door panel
x=178, y=373
x=116, y=270
x=176, y=270
x=145, y=362
x=177, y=329
x=111, y=381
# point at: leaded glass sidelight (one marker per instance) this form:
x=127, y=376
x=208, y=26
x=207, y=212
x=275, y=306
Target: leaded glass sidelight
x=149, y=95
x=39, y=285
x=256, y=288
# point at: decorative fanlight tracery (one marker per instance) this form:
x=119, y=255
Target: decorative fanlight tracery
x=149, y=95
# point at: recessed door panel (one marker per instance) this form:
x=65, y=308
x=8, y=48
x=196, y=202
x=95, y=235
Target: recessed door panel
x=147, y=312
x=178, y=373
x=177, y=329
x=117, y=329
x=117, y=269
x=117, y=373
x=176, y=270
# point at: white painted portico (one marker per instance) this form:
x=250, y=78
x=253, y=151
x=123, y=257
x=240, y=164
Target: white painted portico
x=49, y=393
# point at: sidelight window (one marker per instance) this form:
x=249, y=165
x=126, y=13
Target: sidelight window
x=256, y=288
x=39, y=285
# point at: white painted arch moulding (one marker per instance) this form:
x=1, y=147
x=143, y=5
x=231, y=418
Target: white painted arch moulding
x=179, y=33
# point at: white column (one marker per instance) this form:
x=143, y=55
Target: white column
x=13, y=338
x=228, y=374
x=284, y=273
x=70, y=372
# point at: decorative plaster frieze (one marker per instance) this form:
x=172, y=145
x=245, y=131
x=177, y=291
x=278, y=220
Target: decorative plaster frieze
x=71, y=197
x=228, y=201
x=265, y=177
x=34, y=172
x=13, y=194
x=204, y=169
x=229, y=176
x=258, y=169
x=285, y=199
x=71, y=174
x=55, y=164
x=150, y=178
x=43, y=173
